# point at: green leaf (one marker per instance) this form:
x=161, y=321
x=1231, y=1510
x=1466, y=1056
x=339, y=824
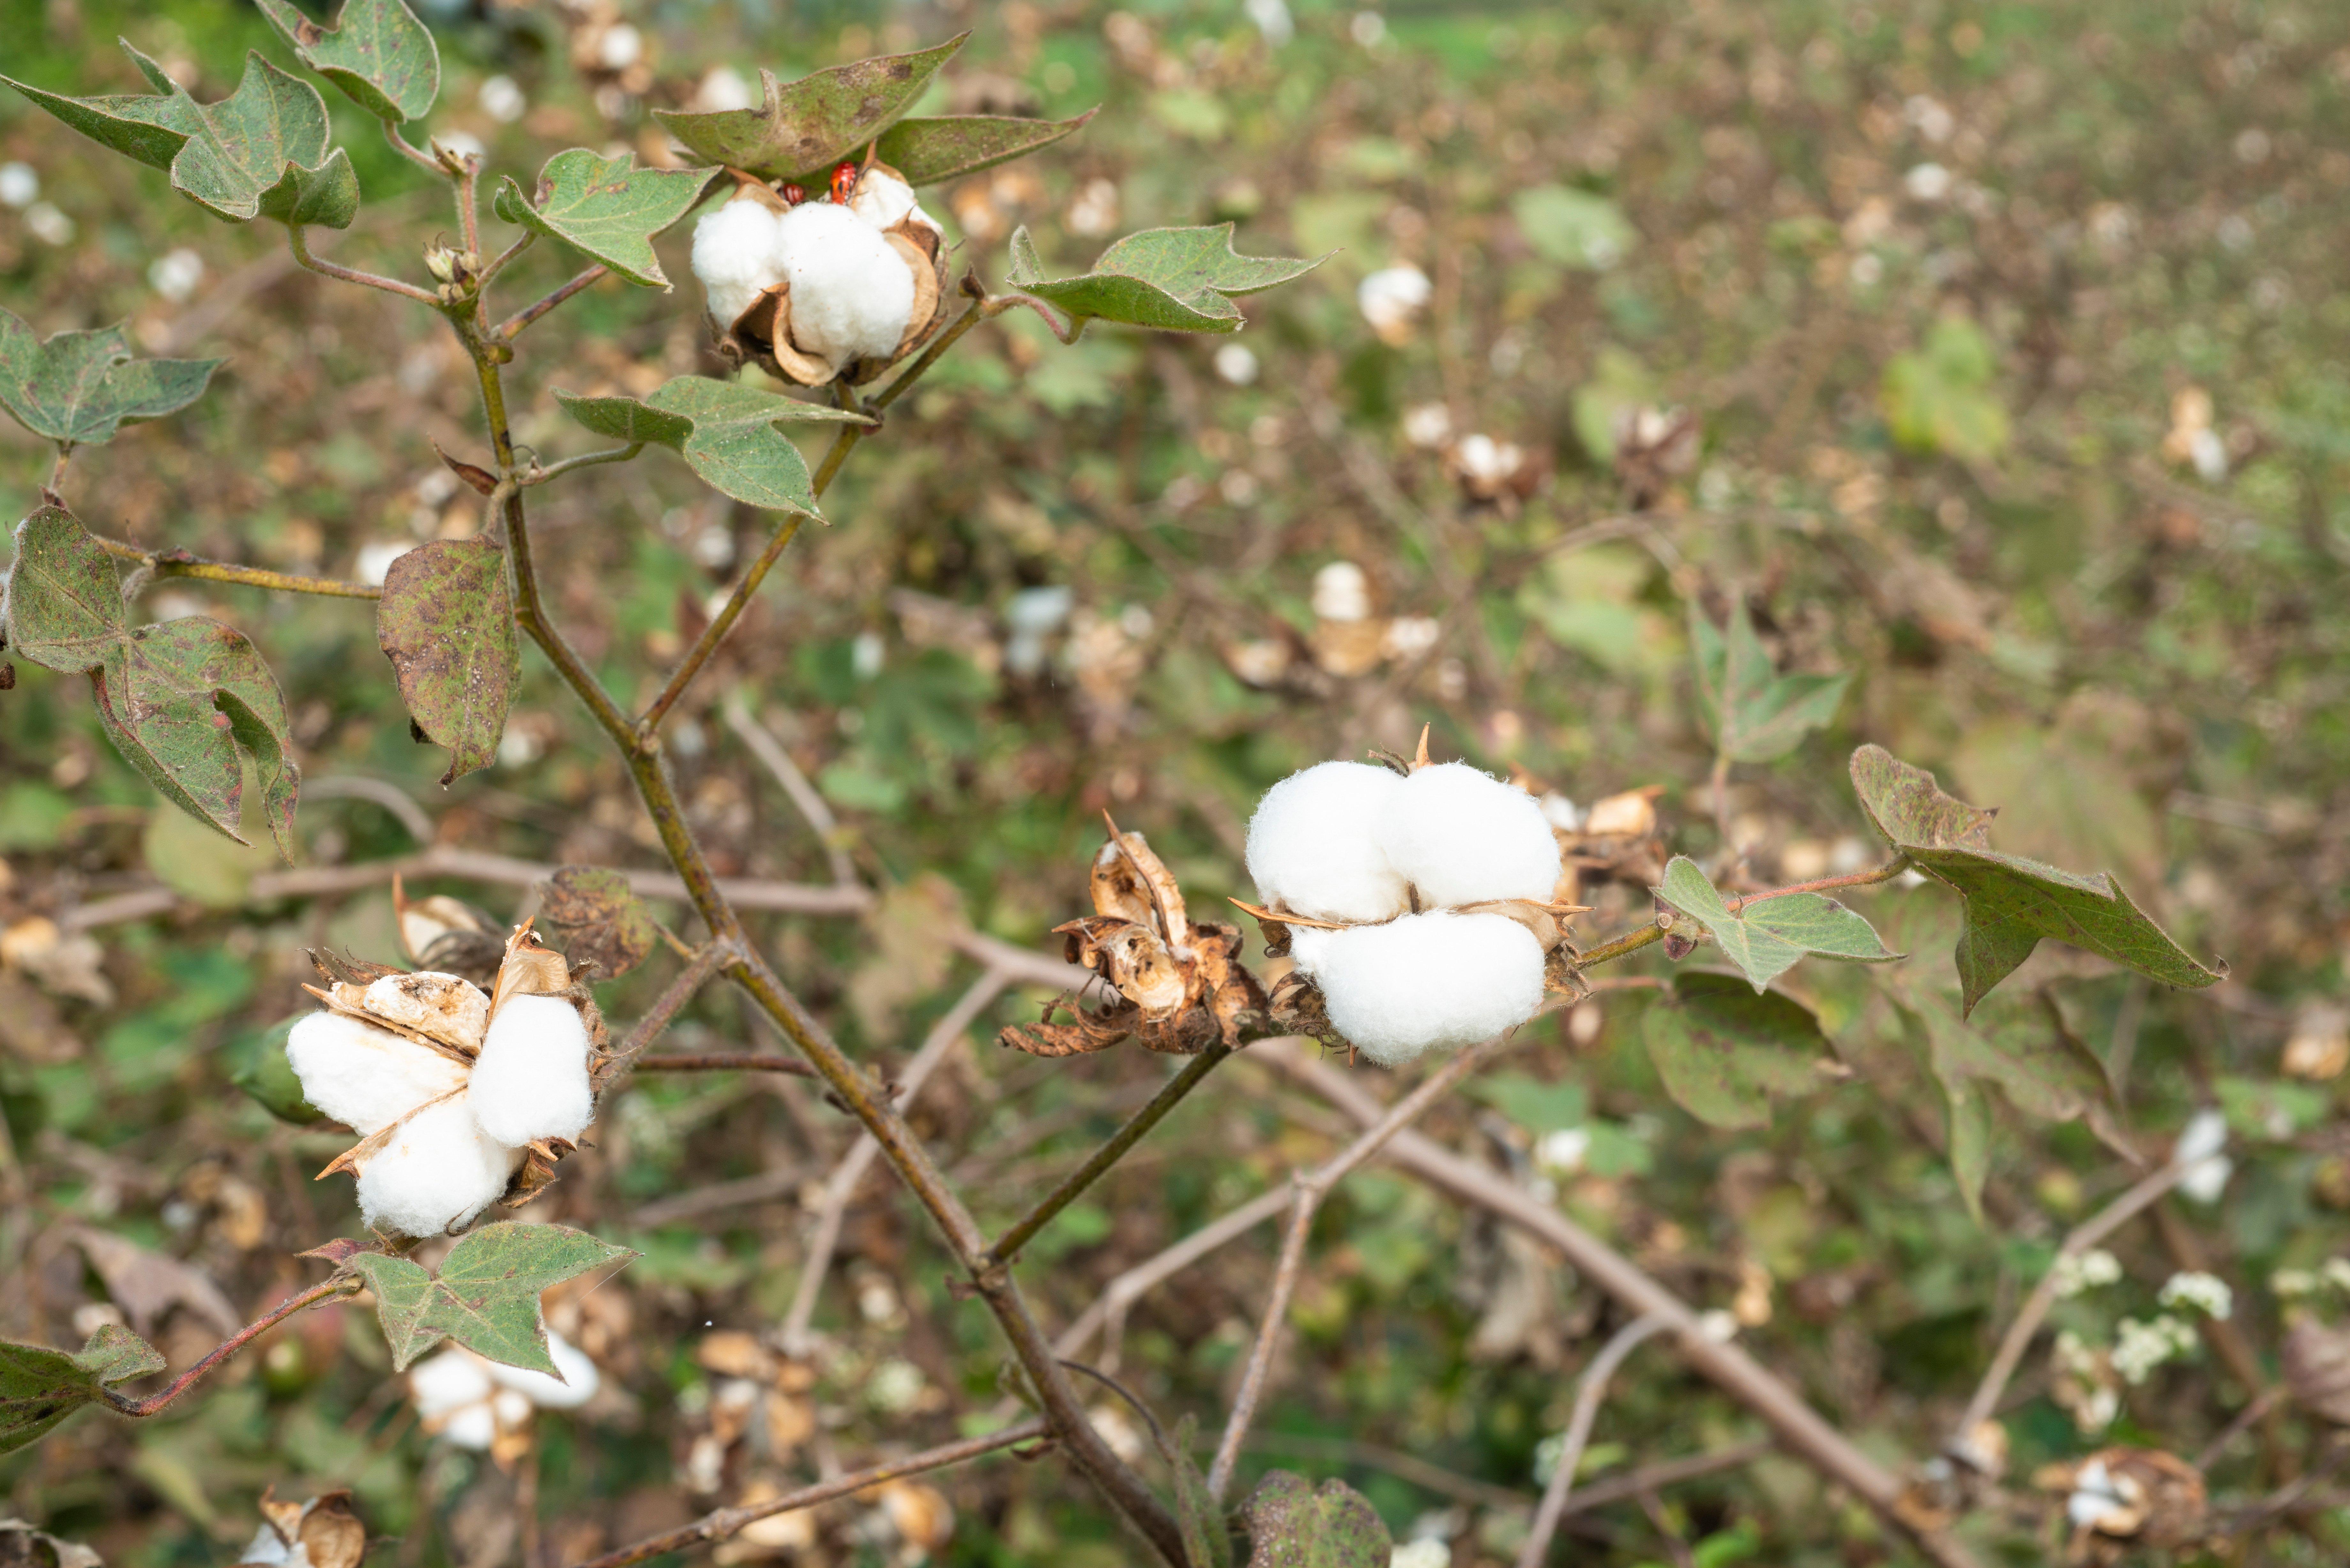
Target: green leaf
x=1940, y=397
x=2011, y=902
x=377, y=53
x=1178, y=280
x=729, y=435
x=1757, y=714
x=607, y=207
x=1206, y=1542
x=180, y=700
x=485, y=1297
x=1574, y=228
x=1291, y=1525
x=801, y=130
x=597, y=917
x=40, y=1387
x=1537, y=1106
x=1724, y=1051
x=81, y=387
x=1766, y=937
x=446, y=622
x=259, y=153
x=929, y=151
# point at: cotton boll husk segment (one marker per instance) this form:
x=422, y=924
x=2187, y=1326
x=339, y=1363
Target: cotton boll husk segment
x=1312, y=849
x=440, y=1169
x=573, y=1389
x=449, y=1381
x=852, y=292
x=366, y=1077
x=738, y=255
x=1424, y=981
x=531, y=1079
x=1461, y=837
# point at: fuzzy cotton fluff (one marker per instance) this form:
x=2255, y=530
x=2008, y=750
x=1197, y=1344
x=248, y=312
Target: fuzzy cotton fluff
x=738, y=255
x=365, y=1077
x=466, y=1398
x=1312, y=849
x=439, y=1171
x=852, y=293
x=530, y=1081
x=883, y=200
x=1424, y=981
x=1461, y=837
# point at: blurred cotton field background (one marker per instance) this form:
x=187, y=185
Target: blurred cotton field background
x=1993, y=355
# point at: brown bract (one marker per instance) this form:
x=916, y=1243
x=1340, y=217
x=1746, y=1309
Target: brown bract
x=1180, y=984
x=2160, y=1504
x=325, y=1529
x=762, y=334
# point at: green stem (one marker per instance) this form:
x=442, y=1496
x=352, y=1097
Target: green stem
x=301, y=249
x=139, y=1408
x=610, y=454
x=56, y=485
x=513, y=325
x=180, y=564
x=648, y=728
x=1008, y=1246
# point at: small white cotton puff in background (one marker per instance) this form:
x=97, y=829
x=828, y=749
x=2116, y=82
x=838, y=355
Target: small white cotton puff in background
x=439, y=1171
x=1235, y=364
x=2076, y=1273
x=1424, y=1554
x=1422, y=981
x=365, y=1077
x=573, y=1389
x=466, y=1398
x=2198, y=1152
x=1341, y=592
x=20, y=185
x=175, y=274
x=1311, y=849
x=2207, y=1293
x=530, y=1081
x=2095, y=1496
x=1462, y=836
x=738, y=256
x=1389, y=298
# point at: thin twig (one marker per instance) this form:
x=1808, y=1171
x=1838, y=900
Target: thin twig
x=1801, y=1429
x=1588, y=1391
x=649, y=724
x=944, y=1037
x=2268, y=1399
x=726, y=1062
x=1110, y=1153
x=180, y=564
x=1107, y=1315
x=727, y=1521
x=513, y=325
x=1960, y=1445
x=803, y=795
x=589, y=459
x=706, y=961
x=1310, y=1189
x=410, y=152
x=301, y=249
x=123, y=1405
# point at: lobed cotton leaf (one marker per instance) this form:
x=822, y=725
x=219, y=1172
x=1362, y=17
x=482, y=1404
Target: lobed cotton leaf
x=439, y=1171
x=365, y=1077
x=1424, y=981
x=1312, y=849
x=1461, y=837
x=852, y=293
x=530, y=1081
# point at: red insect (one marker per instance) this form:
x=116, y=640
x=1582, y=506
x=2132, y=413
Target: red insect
x=844, y=181
x=793, y=195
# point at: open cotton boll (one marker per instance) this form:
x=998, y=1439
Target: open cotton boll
x=474, y=1427
x=573, y=1389
x=1312, y=849
x=738, y=255
x=530, y=1081
x=882, y=199
x=366, y=1077
x=1425, y=981
x=440, y=1169
x=1461, y=837
x=449, y=1381
x=852, y=293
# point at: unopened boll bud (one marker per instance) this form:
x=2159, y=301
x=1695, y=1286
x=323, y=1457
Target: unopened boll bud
x=441, y=262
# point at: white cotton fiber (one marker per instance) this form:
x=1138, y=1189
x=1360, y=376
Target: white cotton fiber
x=852, y=293
x=1425, y=981
x=475, y=1427
x=882, y=199
x=530, y=1081
x=449, y=1381
x=363, y=1077
x=1461, y=837
x=1312, y=849
x=738, y=255
x=575, y=1387
x=439, y=1170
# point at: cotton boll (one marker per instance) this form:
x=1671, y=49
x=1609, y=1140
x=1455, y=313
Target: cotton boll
x=449, y=1381
x=882, y=199
x=366, y=1077
x=852, y=293
x=530, y=1081
x=475, y=1427
x=1311, y=848
x=1425, y=981
x=573, y=1389
x=738, y=256
x=440, y=1169
x=511, y=1407
x=1461, y=837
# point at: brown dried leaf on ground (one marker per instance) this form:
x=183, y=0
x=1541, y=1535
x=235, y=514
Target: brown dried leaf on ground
x=147, y=1285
